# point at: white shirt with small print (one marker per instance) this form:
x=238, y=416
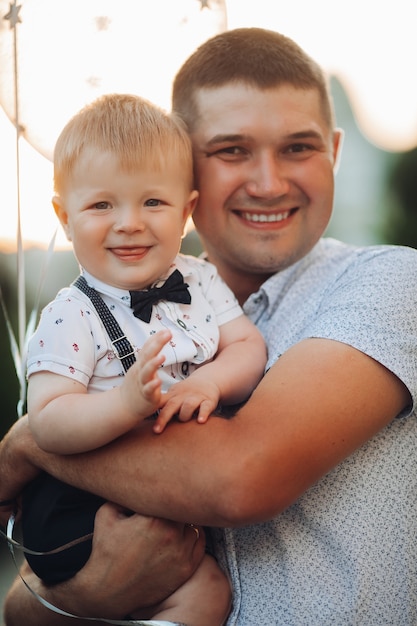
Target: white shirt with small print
x=71, y=340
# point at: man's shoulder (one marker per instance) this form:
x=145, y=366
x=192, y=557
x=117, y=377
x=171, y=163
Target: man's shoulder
x=346, y=258
x=348, y=271
x=389, y=264
x=328, y=246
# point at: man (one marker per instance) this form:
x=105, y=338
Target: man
x=314, y=478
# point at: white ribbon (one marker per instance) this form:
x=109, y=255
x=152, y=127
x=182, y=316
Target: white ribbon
x=14, y=544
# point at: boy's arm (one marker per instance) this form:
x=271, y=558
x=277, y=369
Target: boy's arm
x=239, y=363
x=235, y=371
x=65, y=419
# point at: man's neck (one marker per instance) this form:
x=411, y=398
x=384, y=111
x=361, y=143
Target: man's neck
x=242, y=284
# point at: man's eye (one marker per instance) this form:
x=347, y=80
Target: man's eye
x=228, y=152
x=298, y=147
x=152, y=202
x=233, y=150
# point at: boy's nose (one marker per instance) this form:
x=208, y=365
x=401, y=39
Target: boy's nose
x=129, y=219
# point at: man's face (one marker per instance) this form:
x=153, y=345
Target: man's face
x=264, y=168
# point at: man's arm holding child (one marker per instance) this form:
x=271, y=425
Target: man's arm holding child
x=310, y=411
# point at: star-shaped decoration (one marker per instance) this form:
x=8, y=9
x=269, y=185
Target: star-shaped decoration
x=94, y=82
x=13, y=14
x=204, y=4
x=102, y=22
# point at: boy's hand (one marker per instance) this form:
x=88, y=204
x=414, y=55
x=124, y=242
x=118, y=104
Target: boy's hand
x=193, y=397
x=141, y=388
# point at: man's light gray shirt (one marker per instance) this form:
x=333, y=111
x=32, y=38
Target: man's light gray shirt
x=346, y=552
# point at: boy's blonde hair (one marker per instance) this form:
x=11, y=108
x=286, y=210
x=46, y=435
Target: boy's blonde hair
x=136, y=130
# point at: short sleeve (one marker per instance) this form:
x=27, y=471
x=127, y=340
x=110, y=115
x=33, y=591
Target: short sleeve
x=64, y=341
x=373, y=307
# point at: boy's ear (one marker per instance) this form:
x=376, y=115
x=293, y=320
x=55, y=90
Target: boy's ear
x=188, y=210
x=190, y=205
x=62, y=215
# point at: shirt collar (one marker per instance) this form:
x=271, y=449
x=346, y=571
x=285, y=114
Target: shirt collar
x=267, y=298
x=122, y=295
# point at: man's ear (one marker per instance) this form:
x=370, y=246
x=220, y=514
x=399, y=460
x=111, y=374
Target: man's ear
x=338, y=138
x=62, y=215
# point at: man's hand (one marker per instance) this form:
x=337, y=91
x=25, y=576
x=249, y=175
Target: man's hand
x=15, y=471
x=136, y=562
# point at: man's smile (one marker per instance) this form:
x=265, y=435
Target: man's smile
x=265, y=217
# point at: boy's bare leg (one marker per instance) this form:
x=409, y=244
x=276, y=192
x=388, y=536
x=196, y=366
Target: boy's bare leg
x=204, y=600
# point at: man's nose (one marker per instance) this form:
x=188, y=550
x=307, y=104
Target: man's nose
x=268, y=177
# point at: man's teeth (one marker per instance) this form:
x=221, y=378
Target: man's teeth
x=265, y=217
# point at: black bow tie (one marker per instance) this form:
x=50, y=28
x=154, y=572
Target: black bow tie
x=174, y=289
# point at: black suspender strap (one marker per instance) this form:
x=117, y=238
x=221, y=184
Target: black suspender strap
x=123, y=349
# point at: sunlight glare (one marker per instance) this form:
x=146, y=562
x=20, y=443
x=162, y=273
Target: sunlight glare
x=369, y=46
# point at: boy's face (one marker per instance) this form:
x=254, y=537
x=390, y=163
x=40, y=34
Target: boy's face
x=264, y=166
x=125, y=227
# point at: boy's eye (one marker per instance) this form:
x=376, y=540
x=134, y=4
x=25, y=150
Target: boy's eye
x=101, y=205
x=152, y=202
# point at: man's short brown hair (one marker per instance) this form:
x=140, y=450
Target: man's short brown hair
x=258, y=57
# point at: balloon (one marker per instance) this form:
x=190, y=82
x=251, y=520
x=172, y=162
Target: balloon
x=70, y=52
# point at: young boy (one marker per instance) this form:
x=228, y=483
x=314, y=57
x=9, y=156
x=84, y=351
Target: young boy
x=124, y=189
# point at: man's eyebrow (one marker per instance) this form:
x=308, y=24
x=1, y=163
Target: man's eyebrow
x=308, y=133
x=227, y=138
x=305, y=134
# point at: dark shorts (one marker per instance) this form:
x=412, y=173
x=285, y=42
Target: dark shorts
x=53, y=514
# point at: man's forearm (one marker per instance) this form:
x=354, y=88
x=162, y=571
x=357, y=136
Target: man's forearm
x=136, y=471
x=251, y=467
x=16, y=466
